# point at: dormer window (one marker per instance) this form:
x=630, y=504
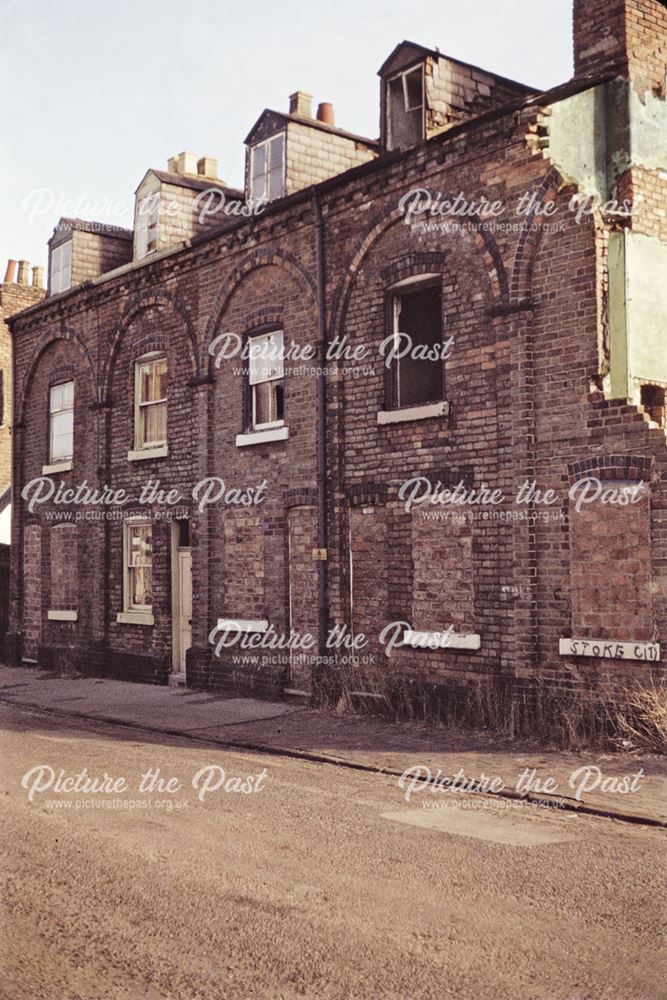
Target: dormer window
x=60, y=271
x=405, y=108
x=148, y=217
x=267, y=169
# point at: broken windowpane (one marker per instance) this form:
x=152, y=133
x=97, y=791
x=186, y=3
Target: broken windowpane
x=417, y=373
x=405, y=109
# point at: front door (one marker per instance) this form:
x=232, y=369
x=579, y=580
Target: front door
x=184, y=624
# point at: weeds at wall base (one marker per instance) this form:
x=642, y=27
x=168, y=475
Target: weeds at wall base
x=627, y=717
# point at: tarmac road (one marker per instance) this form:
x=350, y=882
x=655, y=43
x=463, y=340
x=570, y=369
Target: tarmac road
x=303, y=880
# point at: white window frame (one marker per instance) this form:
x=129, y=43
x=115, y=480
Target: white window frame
x=129, y=608
x=403, y=75
x=60, y=459
x=264, y=194
x=263, y=370
x=60, y=267
x=139, y=444
x=415, y=283
x=148, y=224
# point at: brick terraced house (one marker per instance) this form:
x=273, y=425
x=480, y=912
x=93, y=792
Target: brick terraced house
x=535, y=305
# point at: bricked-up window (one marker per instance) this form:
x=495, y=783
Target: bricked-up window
x=610, y=562
x=60, y=268
x=138, y=577
x=267, y=169
x=63, y=568
x=405, y=108
x=148, y=218
x=2, y=397
x=265, y=378
x=61, y=422
x=416, y=375
x=151, y=401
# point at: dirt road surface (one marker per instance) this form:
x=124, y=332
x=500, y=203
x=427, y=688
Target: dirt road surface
x=322, y=882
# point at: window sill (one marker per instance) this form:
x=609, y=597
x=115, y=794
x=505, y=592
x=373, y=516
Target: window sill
x=135, y=618
x=144, y=454
x=51, y=470
x=243, y=624
x=62, y=616
x=262, y=437
x=424, y=412
x=441, y=640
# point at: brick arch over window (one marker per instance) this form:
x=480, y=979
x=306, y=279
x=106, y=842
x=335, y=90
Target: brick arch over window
x=139, y=304
x=268, y=257
x=611, y=468
x=482, y=238
x=521, y=280
x=411, y=265
x=45, y=342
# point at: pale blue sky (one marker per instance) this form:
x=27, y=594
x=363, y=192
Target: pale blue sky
x=94, y=92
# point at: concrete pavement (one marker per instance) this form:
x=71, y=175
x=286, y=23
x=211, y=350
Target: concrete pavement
x=627, y=786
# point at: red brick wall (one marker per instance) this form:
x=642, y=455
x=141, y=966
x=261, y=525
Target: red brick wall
x=13, y=297
x=630, y=35
x=610, y=566
x=32, y=606
x=442, y=593
x=303, y=618
x=523, y=309
x=63, y=560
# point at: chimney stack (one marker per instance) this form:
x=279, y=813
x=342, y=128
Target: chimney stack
x=626, y=37
x=301, y=104
x=37, y=277
x=183, y=163
x=207, y=166
x=10, y=273
x=24, y=272
x=325, y=114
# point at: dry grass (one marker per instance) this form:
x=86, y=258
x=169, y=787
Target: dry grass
x=642, y=723
x=571, y=717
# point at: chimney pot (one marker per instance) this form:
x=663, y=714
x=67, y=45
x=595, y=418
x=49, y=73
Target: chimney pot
x=38, y=277
x=207, y=166
x=325, y=113
x=24, y=269
x=10, y=273
x=301, y=104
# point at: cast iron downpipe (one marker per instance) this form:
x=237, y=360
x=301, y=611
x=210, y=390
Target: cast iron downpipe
x=321, y=406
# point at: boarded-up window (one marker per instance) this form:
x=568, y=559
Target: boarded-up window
x=610, y=568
